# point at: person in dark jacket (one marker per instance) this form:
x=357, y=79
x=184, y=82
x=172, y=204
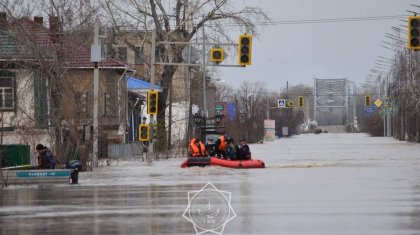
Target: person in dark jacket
x=232, y=149
x=244, y=151
x=211, y=147
x=46, y=159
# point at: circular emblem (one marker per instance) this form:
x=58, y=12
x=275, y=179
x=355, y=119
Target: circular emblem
x=209, y=209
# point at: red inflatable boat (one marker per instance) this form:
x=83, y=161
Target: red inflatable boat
x=212, y=161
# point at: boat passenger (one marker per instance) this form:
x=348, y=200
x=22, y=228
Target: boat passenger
x=244, y=151
x=46, y=159
x=197, y=148
x=210, y=147
x=220, y=146
x=231, y=149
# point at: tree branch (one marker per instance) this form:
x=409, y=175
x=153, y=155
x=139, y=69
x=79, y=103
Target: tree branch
x=165, y=16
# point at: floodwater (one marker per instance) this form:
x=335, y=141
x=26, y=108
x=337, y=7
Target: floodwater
x=313, y=184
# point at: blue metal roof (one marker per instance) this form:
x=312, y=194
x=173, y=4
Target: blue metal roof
x=137, y=83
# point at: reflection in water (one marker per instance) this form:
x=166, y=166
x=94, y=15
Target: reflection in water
x=314, y=184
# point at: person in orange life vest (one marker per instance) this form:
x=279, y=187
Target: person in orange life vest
x=197, y=148
x=220, y=146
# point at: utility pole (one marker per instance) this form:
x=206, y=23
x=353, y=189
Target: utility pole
x=96, y=50
x=347, y=100
x=268, y=108
x=388, y=113
x=204, y=76
x=354, y=103
x=307, y=115
x=315, y=98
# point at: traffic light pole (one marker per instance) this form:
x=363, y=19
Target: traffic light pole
x=152, y=84
x=202, y=65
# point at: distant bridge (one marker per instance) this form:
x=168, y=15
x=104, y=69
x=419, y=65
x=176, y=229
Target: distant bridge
x=331, y=101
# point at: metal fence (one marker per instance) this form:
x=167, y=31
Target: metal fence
x=129, y=151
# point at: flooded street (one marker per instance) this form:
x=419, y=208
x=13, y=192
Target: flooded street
x=313, y=184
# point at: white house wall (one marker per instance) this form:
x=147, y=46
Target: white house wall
x=23, y=118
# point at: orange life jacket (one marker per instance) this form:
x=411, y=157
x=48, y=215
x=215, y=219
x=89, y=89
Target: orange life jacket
x=222, y=145
x=195, y=150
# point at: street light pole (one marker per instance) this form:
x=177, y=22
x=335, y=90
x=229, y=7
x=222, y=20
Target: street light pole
x=204, y=74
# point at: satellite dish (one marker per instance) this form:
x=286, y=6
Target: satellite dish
x=190, y=54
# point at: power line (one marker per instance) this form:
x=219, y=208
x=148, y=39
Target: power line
x=329, y=20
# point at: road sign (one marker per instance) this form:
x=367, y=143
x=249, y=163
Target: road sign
x=281, y=103
x=370, y=110
x=270, y=129
x=219, y=107
x=378, y=103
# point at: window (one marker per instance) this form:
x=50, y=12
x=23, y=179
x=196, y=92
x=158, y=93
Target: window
x=7, y=95
x=41, y=101
x=122, y=53
x=139, y=55
x=107, y=104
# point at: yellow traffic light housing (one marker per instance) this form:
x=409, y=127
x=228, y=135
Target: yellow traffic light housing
x=300, y=101
x=414, y=32
x=144, y=132
x=367, y=101
x=244, y=49
x=289, y=104
x=217, y=54
x=152, y=102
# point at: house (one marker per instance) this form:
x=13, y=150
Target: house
x=40, y=64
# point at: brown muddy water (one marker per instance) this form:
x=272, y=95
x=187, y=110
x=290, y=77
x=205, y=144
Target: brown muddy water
x=313, y=184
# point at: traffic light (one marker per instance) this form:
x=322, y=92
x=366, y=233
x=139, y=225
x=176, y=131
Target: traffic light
x=244, y=49
x=144, y=131
x=217, y=54
x=289, y=103
x=414, y=32
x=300, y=101
x=152, y=102
x=367, y=101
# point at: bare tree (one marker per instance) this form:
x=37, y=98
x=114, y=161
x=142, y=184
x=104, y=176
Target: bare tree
x=223, y=92
x=179, y=21
x=45, y=55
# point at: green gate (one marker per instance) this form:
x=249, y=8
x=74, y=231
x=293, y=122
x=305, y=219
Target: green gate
x=15, y=155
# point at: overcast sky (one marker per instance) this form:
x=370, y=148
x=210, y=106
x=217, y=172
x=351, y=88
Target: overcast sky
x=297, y=53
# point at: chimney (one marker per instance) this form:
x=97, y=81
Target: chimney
x=3, y=21
x=54, y=29
x=39, y=20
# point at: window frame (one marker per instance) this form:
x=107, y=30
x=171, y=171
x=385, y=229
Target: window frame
x=3, y=93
